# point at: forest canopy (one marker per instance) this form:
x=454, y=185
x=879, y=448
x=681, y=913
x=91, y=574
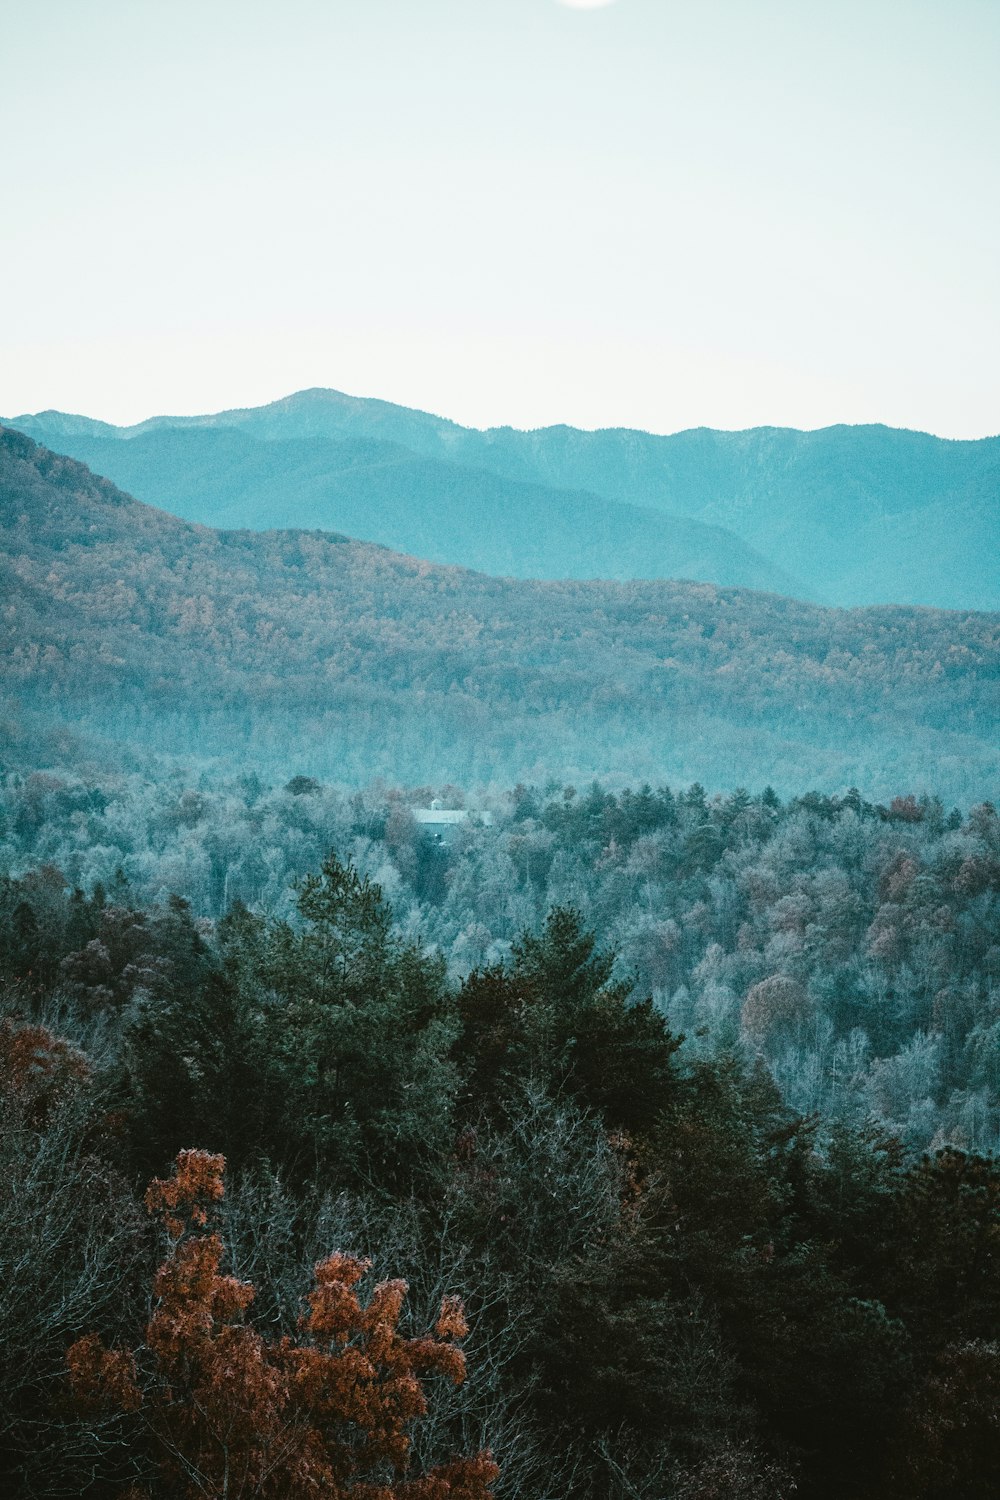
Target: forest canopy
x=677, y=1281
x=677, y=1109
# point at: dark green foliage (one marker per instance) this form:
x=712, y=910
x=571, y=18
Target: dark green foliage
x=189, y=1072
x=586, y=1034
x=352, y=1031
x=945, y=1230
x=949, y=1441
x=556, y=1017
x=679, y=1285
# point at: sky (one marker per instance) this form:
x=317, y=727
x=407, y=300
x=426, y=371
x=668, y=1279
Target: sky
x=649, y=213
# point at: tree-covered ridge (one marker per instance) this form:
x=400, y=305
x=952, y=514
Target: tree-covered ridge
x=853, y=947
x=149, y=630
x=857, y=515
x=675, y=1285
x=432, y=508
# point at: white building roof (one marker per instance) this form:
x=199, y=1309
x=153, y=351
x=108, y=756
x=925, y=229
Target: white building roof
x=433, y=817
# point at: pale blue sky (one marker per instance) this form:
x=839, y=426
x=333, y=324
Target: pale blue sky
x=657, y=214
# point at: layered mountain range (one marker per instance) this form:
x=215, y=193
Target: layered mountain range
x=299, y=650
x=845, y=515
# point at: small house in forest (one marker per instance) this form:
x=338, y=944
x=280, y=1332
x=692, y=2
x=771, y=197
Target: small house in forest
x=440, y=824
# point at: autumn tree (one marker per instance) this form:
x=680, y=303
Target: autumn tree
x=221, y=1410
x=776, y=1010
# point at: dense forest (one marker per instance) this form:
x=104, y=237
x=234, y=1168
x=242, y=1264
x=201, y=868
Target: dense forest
x=637, y=1138
x=672, y=1119
x=306, y=651
x=500, y=926
x=854, y=947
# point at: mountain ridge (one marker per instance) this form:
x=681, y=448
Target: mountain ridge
x=228, y=478
x=306, y=651
x=850, y=515
x=232, y=415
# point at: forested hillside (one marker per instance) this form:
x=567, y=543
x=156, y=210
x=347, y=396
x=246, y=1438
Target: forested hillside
x=500, y=927
x=439, y=510
x=636, y=1264
x=852, y=515
x=853, y=946
x=304, y=651
x=639, y=1142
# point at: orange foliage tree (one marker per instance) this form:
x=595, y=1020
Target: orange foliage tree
x=229, y=1413
x=38, y=1070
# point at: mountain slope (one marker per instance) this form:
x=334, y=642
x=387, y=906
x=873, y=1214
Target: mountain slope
x=861, y=513
x=855, y=514
x=382, y=492
x=307, y=651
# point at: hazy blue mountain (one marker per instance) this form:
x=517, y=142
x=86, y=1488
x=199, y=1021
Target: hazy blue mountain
x=444, y=512
x=61, y=424
x=307, y=651
x=853, y=514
